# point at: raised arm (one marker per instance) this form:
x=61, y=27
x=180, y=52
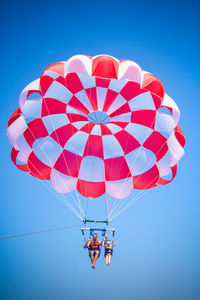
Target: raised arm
x=114, y=243
x=87, y=243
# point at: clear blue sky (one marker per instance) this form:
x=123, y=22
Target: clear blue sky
x=158, y=238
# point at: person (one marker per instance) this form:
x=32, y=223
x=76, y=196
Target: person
x=94, y=247
x=108, y=249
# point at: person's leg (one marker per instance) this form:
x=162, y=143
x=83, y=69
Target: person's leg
x=95, y=258
x=92, y=256
x=106, y=260
x=109, y=259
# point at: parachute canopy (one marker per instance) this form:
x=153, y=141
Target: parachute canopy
x=97, y=125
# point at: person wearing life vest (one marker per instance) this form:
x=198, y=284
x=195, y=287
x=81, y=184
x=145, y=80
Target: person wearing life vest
x=108, y=249
x=94, y=248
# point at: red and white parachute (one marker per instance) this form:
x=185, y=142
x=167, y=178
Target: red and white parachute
x=97, y=125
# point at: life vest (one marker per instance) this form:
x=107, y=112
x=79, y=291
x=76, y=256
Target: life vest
x=94, y=245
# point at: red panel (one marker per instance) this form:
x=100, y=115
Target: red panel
x=110, y=97
x=14, y=116
x=130, y=90
x=153, y=84
x=35, y=131
x=147, y=180
x=122, y=110
x=116, y=168
x=68, y=163
x=91, y=189
x=157, y=100
x=76, y=103
x=144, y=117
x=37, y=168
x=14, y=154
x=63, y=134
x=61, y=80
x=76, y=118
x=127, y=141
x=56, y=68
x=52, y=106
x=105, y=130
x=180, y=136
x=165, y=181
x=94, y=146
x=45, y=83
x=120, y=124
x=102, y=82
x=157, y=143
x=105, y=67
x=87, y=127
x=73, y=83
x=92, y=96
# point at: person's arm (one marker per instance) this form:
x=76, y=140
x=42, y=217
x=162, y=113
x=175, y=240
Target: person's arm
x=87, y=243
x=114, y=243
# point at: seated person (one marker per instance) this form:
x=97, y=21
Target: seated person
x=108, y=249
x=93, y=246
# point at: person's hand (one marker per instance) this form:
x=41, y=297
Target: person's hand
x=106, y=236
x=88, y=239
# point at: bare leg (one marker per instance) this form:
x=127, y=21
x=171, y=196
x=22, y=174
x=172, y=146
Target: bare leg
x=109, y=259
x=92, y=257
x=106, y=260
x=95, y=258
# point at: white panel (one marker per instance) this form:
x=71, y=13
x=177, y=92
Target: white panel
x=117, y=85
x=142, y=102
x=47, y=150
x=119, y=189
x=78, y=64
x=53, y=122
x=59, y=92
x=175, y=148
x=92, y=169
x=16, y=129
x=131, y=71
x=77, y=142
x=168, y=102
x=140, y=132
x=63, y=183
x=72, y=110
x=34, y=85
x=24, y=149
x=82, y=96
x=119, y=101
x=32, y=108
x=101, y=95
x=122, y=118
x=113, y=128
x=79, y=124
x=96, y=130
x=51, y=74
x=87, y=81
x=164, y=122
x=111, y=147
x=140, y=160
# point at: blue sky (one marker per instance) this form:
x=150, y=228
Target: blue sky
x=158, y=238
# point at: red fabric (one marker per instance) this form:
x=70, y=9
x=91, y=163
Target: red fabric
x=130, y=90
x=37, y=168
x=14, y=116
x=68, y=163
x=127, y=141
x=157, y=143
x=116, y=168
x=94, y=146
x=73, y=83
x=144, y=117
x=76, y=103
x=52, y=106
x=63, y=134
x=35, y=131
x=105, y=67
x=146, y=180
x=153, y=84
x=91, y=189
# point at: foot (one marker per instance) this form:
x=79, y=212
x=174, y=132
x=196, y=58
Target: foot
x=93, y=266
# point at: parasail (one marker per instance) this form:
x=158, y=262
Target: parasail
x=97, y=126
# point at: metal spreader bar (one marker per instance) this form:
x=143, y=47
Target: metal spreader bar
x=103, y=230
